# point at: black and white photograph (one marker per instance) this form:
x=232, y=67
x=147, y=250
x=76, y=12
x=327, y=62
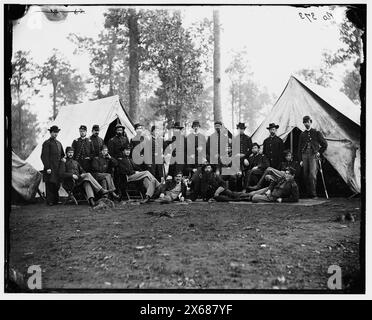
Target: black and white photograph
x=185, y=148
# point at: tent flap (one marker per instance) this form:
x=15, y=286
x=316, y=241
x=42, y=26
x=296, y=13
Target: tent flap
x=25, y=178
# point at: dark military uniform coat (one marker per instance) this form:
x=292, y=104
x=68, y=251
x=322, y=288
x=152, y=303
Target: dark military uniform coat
x=273, y=149
x=314, y=140
x=216, y=137
x=258, y=160
x=103, y=165
x=116, y=146
x=97, y=144
x=83, y=148
x=245, y=148
x=67, y=169
x=198, y=143
x=51, y=154
x=287, y=190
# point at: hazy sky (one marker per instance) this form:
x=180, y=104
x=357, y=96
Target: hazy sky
x=278, y=42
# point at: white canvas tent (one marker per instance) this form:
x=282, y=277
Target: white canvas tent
x=332, y=112
x=102, y=112
x=25, y=178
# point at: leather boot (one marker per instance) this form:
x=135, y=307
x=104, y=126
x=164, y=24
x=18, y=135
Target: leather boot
x=103, y=191
x=115, y=196
x=91, y=202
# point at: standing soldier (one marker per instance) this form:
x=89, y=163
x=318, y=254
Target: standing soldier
x=177, y=149
x=83, y=149
x=196, y=157
x=97, y=141
x=116, y=144
x=136, y=140
x=273, y=147
x=245, y=149
x=157, y=167
x=51, y=155
x=245, y=144
x=214, y=144
x=311, y=146
x=196, y=145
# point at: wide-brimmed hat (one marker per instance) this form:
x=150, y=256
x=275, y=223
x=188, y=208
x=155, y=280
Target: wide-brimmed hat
x=54, y=129
x=195, y=123
x=240, y=125
x=272, y=125
x=177, y=125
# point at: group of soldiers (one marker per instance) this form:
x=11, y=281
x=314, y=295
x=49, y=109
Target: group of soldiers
x=97, y=170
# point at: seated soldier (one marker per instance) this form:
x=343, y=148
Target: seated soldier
x=214, y=187
x=271, y=174
x=283, y=190
x=102, y=168
x=73, y=175
x=255, y=166
x=172, y=190
x=129, y=171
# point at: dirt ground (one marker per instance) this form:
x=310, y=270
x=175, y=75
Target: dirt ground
x=194, y=246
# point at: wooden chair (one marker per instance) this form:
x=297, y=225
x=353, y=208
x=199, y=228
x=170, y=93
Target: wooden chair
x=134, y=190
x=72, y=194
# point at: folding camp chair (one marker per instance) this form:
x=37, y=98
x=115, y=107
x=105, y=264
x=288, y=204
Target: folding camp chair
x=72, y=194
x=133, y=190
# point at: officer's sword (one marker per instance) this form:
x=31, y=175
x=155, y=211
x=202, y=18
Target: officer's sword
x=321, y=172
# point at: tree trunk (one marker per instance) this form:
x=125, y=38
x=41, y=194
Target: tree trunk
x=54, y=101
x=133, y=65
x=240, y=100
x=111, y=85
x=19, y=118
x=216, y=68
x=232, y=107
x=20, y=127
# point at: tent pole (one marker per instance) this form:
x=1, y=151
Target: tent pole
x=291, y=141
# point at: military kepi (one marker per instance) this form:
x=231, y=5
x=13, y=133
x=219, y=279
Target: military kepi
x=306, y=119
x=83, y=127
